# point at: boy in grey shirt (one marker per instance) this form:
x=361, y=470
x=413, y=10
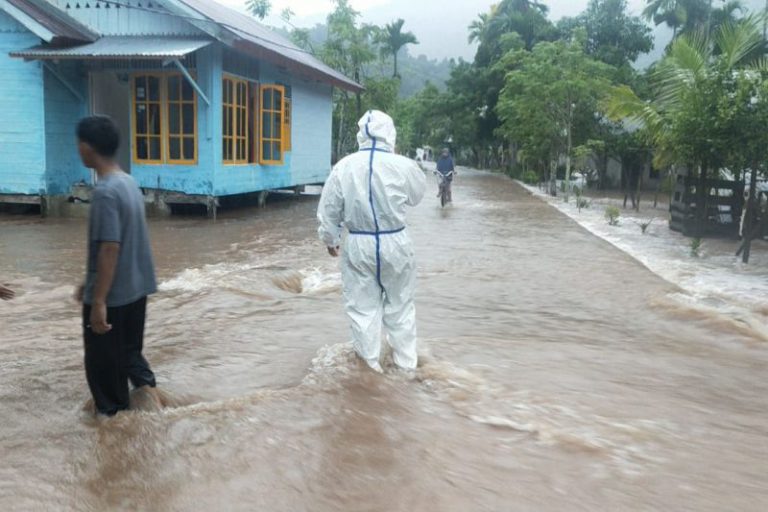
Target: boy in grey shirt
x=120, y=273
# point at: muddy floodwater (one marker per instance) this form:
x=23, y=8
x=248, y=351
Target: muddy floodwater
x=558, y=374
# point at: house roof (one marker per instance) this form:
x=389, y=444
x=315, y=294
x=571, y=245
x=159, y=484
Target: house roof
x=120, y=47
x=48, y=23
x=234, y=29
x=252, y=37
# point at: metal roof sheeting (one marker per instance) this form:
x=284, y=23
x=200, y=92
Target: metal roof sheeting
x=63, y=27
x=234, y=29
x=120, y=47
x=268, y=44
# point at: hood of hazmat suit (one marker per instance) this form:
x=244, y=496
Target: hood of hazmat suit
x=367, y=195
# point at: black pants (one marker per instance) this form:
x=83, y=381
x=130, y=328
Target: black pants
x=113, y=358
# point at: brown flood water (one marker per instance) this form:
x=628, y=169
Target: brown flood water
x=552, y=378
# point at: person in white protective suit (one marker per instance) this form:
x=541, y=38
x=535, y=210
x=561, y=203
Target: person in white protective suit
x=367, y=193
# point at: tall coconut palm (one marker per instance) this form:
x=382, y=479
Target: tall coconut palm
x=682, y=16
x=393, y=39
x=527, y=18
x=528, y=5
x=478, y=27
x=729, y=12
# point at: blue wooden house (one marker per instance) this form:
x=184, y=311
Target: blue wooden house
x=210, y=103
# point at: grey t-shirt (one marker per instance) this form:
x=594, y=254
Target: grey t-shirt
x=118, y=215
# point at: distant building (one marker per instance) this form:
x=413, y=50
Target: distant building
x=210, y=103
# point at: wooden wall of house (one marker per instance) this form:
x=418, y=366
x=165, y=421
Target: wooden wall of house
x=62, y=112
x=312, y=132
x=308, y=162
x=22, y=134
x=192, y=179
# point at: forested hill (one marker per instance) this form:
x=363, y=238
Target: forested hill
x=415, y=72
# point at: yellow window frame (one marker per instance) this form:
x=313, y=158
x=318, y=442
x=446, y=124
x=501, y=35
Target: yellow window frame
x=135, y=136
x=278, y=132
x=287, y=115
x=164, y=106
x=238, y=108
x=181, y=136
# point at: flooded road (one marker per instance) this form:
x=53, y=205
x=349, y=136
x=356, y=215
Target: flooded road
x=558, y=374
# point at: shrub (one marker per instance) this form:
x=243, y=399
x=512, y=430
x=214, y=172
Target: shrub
x=612, y=214
x=530, y=178
x=696, y=247
x=644, y=225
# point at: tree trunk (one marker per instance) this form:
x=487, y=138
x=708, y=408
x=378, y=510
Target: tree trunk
x=674, y=29
x=602, y=170
x=701, y=201
x=395, y=55
x=749, y=220
x=340, y=136
x=359, y=96
x=512, y=157
x=553, y=178
x=568, y=161
x=639, y=188
x=624, y=182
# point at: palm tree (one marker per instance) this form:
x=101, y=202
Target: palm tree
x=679, y=120
x=478, y=27
x=682, y=16
x=259, y=8
x=393, y=39
x=728, y=13
x=691, y=60
x=526, y=17
x=528, y=5
x=664, y=11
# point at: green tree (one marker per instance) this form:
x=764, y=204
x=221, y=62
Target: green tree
x=259, y=8
x=690, y=16
x=669, y=12
x=349, y=47
x=392, y=39
x=687, y=117
x=611, y=34
x=422, y=120
x=478, y=27
x=744, y=110
x=549, y=101
x=526, y=18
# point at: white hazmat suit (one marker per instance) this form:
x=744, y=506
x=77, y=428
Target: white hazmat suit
x=367, y=193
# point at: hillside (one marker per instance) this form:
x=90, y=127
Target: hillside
x=415, y=72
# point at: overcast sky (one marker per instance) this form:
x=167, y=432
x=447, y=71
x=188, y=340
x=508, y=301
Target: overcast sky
x=440, y=25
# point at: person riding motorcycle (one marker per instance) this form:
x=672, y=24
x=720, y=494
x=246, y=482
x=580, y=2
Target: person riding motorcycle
x=447, y=168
